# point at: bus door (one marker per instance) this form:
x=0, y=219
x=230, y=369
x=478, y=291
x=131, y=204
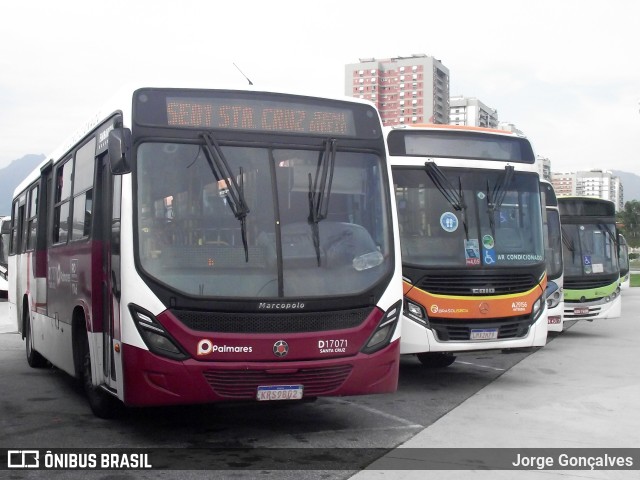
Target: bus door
x=109, y=209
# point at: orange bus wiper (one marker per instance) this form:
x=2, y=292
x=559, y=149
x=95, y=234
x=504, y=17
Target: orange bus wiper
x=496, y=198
x=221, y=171
x=448, y=191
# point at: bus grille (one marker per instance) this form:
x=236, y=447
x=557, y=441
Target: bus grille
x=586, y=283
x=460, y=330
x=243, y=384
x=271, y=322
x=476, y=285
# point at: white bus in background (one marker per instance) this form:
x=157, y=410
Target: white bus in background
x=4, y=253
x=553, y=256
x=590, y=256
x=623, y=260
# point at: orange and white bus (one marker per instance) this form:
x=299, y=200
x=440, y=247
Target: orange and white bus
x=200, y=245
x=471, y=232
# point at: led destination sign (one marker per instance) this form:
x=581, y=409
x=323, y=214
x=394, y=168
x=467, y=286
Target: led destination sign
x=254, y=111
x=267, y=116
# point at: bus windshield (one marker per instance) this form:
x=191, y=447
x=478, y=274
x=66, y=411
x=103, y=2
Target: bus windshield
x=254, y=229
x=486, y=218
x=589, y=249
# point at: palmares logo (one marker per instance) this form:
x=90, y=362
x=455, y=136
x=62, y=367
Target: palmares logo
x=207, y=347
x=280, y=306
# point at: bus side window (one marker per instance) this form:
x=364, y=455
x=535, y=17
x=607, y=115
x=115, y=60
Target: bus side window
x=32, y=215
x=83, y=190
x=18, y=226
x=61, y=202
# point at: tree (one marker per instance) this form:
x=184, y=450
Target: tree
x=629, y=222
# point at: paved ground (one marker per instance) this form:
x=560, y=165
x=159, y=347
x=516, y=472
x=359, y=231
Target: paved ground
x=580, y=391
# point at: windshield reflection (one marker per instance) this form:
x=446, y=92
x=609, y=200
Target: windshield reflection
x=433, y=232
x=589, y=250
x=196, y=236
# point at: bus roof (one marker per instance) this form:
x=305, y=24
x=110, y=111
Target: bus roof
x=466, y=128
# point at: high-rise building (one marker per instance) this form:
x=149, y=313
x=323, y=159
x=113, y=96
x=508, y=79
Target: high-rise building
x=544, y=167
x=471, y=112
x=593, y=183
x=564, y=183
x=406, y=90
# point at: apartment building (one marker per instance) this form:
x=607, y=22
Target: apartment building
x=406, y=90
x=471, y=112
x=592, y=183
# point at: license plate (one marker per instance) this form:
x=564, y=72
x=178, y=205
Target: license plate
x=581, y=310
x=279, y=392
x=484, y=334
x=554, y=320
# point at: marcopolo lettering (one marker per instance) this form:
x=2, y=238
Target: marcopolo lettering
x=280, y=306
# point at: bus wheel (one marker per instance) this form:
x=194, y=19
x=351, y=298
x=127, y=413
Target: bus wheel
x=34, y=359
x=436, y=360
x=103, y=405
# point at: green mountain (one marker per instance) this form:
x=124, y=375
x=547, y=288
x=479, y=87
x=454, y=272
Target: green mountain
x=12, y=175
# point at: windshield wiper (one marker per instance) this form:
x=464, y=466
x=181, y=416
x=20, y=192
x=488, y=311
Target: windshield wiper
x=448, y=191
x=496, y=197
x=221, y=171
x=320, y=190
x=569, y=243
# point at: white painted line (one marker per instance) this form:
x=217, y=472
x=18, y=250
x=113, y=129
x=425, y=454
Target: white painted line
x=375, y=412
x=482, y=366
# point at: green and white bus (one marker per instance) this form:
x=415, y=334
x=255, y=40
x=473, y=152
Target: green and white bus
x=590, y=252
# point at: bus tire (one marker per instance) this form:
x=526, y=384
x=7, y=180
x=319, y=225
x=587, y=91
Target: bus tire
x=34, y=359
x=103, y=404
x=436, y=360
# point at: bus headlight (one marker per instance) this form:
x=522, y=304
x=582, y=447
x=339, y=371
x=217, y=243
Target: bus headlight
x=381, y=337
x=415, y=312
x=553, y=294
x=537, y=309
x=154, y=335
x=554, y=299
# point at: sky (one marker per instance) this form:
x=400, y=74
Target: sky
x=565, y=72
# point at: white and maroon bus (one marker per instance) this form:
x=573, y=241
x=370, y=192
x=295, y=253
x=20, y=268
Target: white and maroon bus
x=195, y=246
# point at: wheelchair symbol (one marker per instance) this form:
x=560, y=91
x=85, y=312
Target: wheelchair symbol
x=488, y=259
x=587, y=260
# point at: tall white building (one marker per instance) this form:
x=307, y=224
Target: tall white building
x=471, y=112
x=593, y=183
x=544, y=167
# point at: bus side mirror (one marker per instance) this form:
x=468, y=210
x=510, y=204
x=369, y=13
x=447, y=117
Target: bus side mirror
x=119, y=150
